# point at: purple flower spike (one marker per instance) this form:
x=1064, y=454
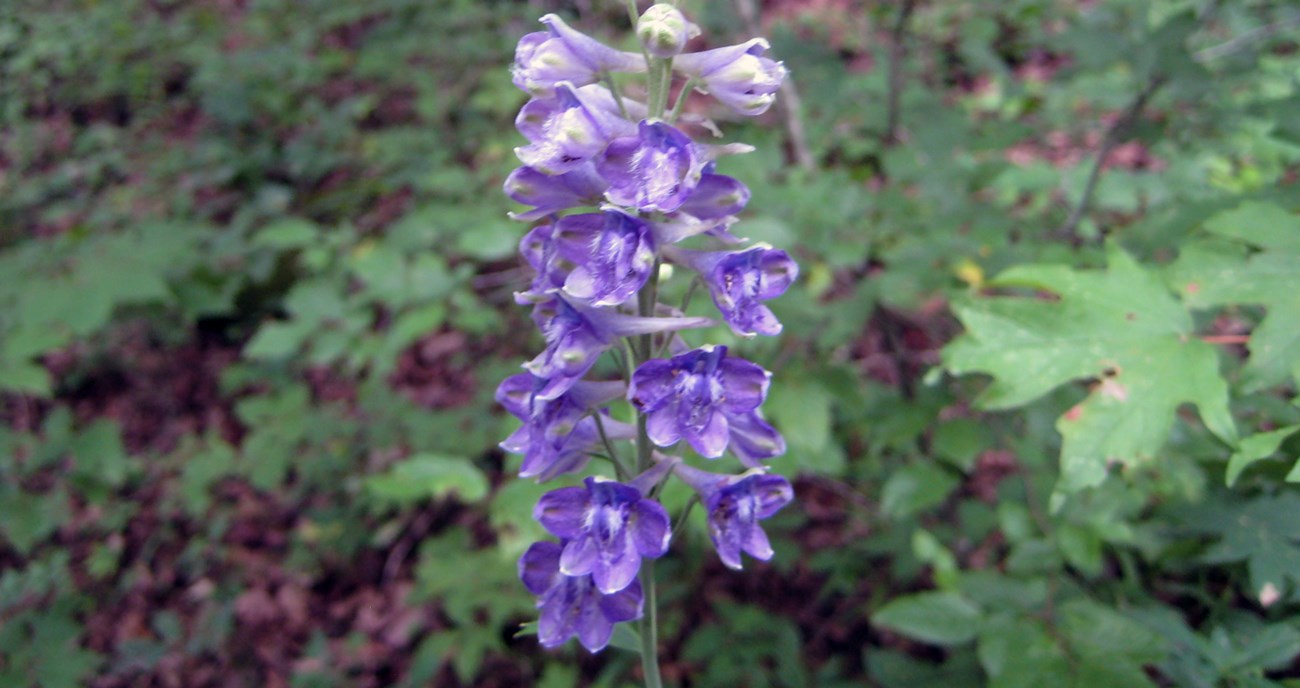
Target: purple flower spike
x=571, y=605
x=698, y=395
x=735, y=504
x=655, y=170
x=561, y=53
x=551, y=194
x=740, y=280
x=576, y=335
x=566, y=131
x=612, y=253
x=738, y=75
x=557, y=434
x=609, y=527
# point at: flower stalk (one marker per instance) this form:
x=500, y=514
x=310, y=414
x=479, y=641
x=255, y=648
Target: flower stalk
x=616, y=191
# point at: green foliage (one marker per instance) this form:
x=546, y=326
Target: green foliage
x=940, y=618
x=429, y=475
x=1121, y=326
x=255, y=294
x=1214, y=273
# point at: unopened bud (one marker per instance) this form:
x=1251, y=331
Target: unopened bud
x=664, y=30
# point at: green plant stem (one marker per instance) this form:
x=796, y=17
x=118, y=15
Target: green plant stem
x=681, y=100
x=613, y=90
x=644, y=349
x=661, y=82
x=609, y=447
x=650, y=628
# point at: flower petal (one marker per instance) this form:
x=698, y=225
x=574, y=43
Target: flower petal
x=563, y=512
x=624, y=605
x=580, y=557
x=652, y=385
x=539, y=566
x=744, y=385
x=757, y=544
x=650, y=527
x=710, y=439
x=594, y=628
x=618, y=571
x=772, y=492
x=752, y=438
x=661, y=426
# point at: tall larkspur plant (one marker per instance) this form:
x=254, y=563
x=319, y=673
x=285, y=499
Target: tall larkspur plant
x=620, y=189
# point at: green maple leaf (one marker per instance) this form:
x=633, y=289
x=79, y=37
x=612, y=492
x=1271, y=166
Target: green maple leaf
x=1223, y=271
x=1121, y=327
x=1263, y=532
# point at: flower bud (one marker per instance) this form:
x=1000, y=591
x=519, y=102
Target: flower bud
x=737, y=75
x=664, y=30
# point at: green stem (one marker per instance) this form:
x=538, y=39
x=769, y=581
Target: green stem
x=690, y=291
x=613, y=90
x=619, y=468
x=661, y=82
x=650, y=628
x=681, y=100
x=646, y=301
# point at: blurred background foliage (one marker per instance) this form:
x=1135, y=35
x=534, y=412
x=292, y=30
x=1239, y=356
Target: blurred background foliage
x=255, y=295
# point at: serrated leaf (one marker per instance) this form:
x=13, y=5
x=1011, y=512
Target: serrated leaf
x=1121, y=327
x=1260, y=224
x=1092, y=646
x=1272, y=648
x=939, y=618
x=802, y=411
x=276, y=340
x=25, y=378
x=1219, y=273
x=290, y=232
x=99, y=455
x=430, y=475
x=915, y=488
x=1256, y=448
x=26, y=519
x=1262, y=532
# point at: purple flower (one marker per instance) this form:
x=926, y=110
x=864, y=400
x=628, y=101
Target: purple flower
x=738, y=75
x=657, y=169
x=710, y=209
x=716, y=196
x=609, y=527
x=550, y=194
x=572, y=605
x=699, y=395
x=735, y=504
x=567, y=130
x=561, y=53
x=739, y=280
x=753, y=439
x=550, y=270
x=557, y=434
x=576, y=335
x=612, y=253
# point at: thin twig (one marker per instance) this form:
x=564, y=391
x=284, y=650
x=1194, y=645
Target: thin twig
x=897, y=51
x=1245, y=40
x=789, y=103
x=1114, y=135
x=1225, y=338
